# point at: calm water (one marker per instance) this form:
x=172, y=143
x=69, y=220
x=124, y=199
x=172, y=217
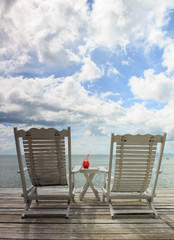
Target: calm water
x=9, y=177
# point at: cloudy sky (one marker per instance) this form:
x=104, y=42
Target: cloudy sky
x=97, y=66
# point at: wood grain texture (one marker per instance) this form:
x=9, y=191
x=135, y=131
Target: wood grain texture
x=89, y=219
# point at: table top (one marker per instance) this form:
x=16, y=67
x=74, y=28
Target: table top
x=90, y=169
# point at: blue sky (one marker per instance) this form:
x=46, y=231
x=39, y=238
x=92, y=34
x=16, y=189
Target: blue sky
x=97, y=66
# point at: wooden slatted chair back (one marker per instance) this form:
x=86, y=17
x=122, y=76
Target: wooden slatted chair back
x=44, y=151
x=135, y=156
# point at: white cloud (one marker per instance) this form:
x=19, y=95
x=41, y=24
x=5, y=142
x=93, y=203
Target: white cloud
x=107, y=94
x=52, y=101
x=112, y=71
x=95, y=130
x=7, y=139
x=137, y=117
x=107, y=22
x=37, y=36
x=5, y=131
x=60, y=32
x=64, y=102
x=125, y=62
x=51, y=31
x=168, y=57
x=158, y=87
x=156, y=37
x=89, y=71
x=119, y=23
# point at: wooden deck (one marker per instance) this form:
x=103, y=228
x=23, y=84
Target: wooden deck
x=89, y=219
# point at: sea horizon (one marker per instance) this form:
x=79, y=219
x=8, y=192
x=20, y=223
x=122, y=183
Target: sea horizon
x=9, y=178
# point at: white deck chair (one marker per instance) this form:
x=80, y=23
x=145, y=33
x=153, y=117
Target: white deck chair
x=135, y=156
x=44, y=151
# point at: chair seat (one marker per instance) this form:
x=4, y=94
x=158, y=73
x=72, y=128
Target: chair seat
x=132, y=195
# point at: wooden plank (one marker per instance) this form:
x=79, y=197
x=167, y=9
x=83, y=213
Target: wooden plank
x=98, y=225
x=16, y=218
x=88, y=235
x=83, y=229
x=89, y=219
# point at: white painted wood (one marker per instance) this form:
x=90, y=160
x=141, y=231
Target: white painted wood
x=102, y=169
x=135, y=156
x=89, y=174
x=76, y=169
x=44, y=151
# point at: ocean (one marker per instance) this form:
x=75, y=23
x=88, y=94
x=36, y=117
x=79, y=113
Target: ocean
x=9, y=178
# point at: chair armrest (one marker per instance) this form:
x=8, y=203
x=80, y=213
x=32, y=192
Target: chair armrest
x=103, y=169
x=76, y=169
x=25, y=169
x=154, y=170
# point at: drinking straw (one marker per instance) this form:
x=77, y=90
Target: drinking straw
x=88, y=156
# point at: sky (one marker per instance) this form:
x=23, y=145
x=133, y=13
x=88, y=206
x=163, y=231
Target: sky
x=96, y=66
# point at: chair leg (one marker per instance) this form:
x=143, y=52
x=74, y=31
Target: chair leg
x=35, y=193
x=68, y=209
x=152, y=208
x=104, y=198
x=73, y=194
x=111, y=210
x=27, y=207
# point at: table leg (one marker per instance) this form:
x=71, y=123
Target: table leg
x=87, y=184
x=92, y=186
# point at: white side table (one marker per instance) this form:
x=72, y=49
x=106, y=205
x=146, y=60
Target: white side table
x=89, y=174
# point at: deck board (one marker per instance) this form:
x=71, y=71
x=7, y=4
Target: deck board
x=89, y=219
